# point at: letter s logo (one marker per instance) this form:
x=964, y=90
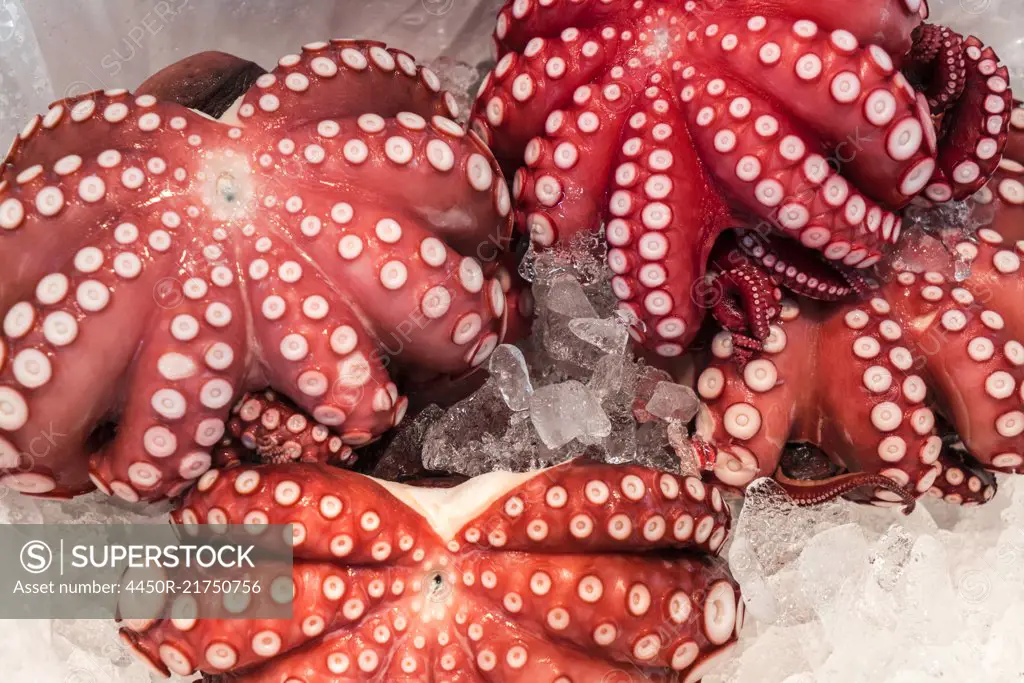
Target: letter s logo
x=36, y=557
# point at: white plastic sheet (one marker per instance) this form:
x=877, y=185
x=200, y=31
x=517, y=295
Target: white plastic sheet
x=53, y=48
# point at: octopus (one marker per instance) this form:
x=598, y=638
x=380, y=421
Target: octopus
x=332, y=230
x=916, y=390
x=581, y=572
x=665, y=124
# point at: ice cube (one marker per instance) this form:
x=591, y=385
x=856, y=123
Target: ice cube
x=647, y=382
x=621, y=445
x=689, y=463
x=566, y=411
x=613, y=380
x=566, y=297
x=672, y=401
x=508, y=368
x=831, y=559
x=889, y=556
x=607, y=335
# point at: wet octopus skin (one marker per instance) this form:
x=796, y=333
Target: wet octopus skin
x=561, y=575
x=673, y=121
x=865, y=380
x=335, y=209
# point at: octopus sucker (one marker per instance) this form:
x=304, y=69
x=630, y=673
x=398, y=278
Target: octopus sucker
x=802, y=122
x=919, y=383
x=334, y=227
x=503, y=576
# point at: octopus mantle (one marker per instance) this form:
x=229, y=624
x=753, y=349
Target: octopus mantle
x=583, y=572
x=671, y=121
x=333, y=227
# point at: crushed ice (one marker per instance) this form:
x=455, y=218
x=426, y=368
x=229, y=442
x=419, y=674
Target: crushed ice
x=931, y=233
x=846, y=593
x=65, y=650
x=572, y=389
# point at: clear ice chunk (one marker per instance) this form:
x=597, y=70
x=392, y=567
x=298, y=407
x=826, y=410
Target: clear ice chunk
x=508, y=369
x=647, y=382
x=672, y=401
x=613, y=379
x=566, y=297
x=654, y=448
x=608, y=335
x=566, y=411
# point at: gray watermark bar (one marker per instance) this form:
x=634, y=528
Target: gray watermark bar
x=94, y=571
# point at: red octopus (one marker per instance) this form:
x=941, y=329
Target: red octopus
x=333, y=227
x=917, y=390
x=670, y=122
x=570, y=574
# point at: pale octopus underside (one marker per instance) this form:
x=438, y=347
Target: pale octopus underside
x=334, y=226
x=577, y=574
x=922, y=383
x=671, y=121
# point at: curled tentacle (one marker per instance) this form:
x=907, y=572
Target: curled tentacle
x=860, y=284
x=268, y=429
x=938, y=59
x=817, y=492
x=798, y=270
x=973, y=131
x=745, y=301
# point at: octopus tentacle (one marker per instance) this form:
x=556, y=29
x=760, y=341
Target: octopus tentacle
x=886, y=23
x=859, y=283
x=519, y=22
x=656, y=188
x=747, y=440
x=416, y=158
x=517, y=96
x=963, y=480
x=976, y=129
x=778, y=176
x=972, y=355
x=757, y=297
x=317, y=350
x=833, y=86
x=796, y=269
x=820, y=491
x=184, y=379
x=860, y=353
x=347, y=74
x=275, y=431
x=554, y=170
x=1015, y=141
x=940, y=49
x=506, y=575
x=48, y=192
